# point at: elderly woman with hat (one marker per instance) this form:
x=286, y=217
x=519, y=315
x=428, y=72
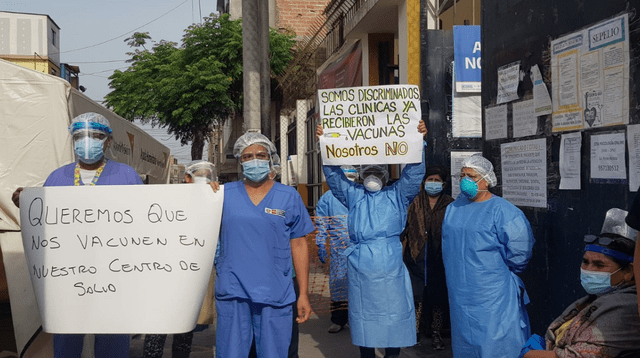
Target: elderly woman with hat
x=486, y=241
x=604, y=323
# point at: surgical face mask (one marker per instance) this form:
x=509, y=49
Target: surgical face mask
x=433, y=188
x=468, y=187
x=89, y=150
x=201, y=180
x=372, y=183
x=256, y=170
x=596, y=282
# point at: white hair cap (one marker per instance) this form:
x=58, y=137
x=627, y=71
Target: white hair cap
x=483, y=167
x=250, y=138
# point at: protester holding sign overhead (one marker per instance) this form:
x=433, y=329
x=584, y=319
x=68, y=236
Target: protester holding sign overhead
x=262, y=232
x=91, y=136
x=381, y=311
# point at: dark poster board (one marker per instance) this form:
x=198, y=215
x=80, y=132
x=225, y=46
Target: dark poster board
x=521, y=30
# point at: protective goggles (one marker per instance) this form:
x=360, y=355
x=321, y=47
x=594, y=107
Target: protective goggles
x=78, y=126
x=603, y=240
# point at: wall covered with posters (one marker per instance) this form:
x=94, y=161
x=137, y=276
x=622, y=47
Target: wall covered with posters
x=561, y=112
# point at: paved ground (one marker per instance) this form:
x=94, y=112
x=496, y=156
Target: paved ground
x=315, y=342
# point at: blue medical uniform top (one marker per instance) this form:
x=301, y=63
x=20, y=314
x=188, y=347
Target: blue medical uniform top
x=114, y=173
x=255, y=261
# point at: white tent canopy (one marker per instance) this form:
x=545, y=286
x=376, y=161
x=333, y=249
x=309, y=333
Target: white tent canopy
x=36, y=110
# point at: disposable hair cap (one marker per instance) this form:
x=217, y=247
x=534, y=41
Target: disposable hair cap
x=201, y=169
x=483, y=167
x=250, y=138
x=90, y=121
x=614, y=224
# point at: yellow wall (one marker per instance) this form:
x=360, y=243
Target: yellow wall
x=38, y=65
x=464, y=10
x=413, y=42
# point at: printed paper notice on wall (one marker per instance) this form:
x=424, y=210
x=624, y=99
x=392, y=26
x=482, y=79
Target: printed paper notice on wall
x=607, y=156
x=370, y=125
x=495, y=121
x=589, y=68
x=524, y=172
x=121, y=258
x=633, y=138
x=508, y=81
x=570, y=162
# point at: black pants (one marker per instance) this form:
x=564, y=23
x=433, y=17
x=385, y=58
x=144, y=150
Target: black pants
x=339, y=312
x=180, y=348
x=366, y=352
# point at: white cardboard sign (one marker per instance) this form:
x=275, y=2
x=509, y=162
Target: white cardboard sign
x=120, y=259
x=370, y=125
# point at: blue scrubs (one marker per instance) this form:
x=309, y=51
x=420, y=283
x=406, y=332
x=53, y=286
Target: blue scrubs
x=331, y=218
x=106, y=345
x=484, y=245
x=381, y=311
x=254, y=286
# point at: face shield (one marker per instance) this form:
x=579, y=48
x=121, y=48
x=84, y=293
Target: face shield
x=374, y=177
x=201, y=172
x=89, y=132
x=350, y=172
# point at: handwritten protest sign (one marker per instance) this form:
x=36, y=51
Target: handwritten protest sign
x=370, y=125
x=120, y=259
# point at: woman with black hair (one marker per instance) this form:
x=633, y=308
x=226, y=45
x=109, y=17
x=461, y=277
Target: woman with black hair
x=422, y=254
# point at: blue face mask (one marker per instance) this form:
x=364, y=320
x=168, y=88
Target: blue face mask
x=256, y=170
x=596, y=282
x=468, y=187
x=89, y=150
x=433, y=188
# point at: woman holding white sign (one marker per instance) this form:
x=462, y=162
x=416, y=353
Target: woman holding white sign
x=381, y=310
x=263, y=230
x=91, y=136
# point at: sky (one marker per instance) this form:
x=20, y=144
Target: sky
x=92, y=34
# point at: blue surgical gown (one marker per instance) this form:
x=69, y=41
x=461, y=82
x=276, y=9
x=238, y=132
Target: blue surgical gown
x=381, y=311
x=331, y=221
x=484, y=245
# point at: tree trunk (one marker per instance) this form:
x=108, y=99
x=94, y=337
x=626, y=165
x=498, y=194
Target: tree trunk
x=197, y=145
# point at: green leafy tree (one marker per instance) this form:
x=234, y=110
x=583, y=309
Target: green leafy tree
x=187, y=89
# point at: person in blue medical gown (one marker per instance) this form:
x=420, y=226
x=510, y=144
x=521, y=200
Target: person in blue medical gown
x=91, y=135
x=331, y=221
x=263, y=230
x=486, y=241
x=381, y=311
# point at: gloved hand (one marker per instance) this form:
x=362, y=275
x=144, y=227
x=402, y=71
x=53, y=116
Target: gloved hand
x=535, y=342
x=322, y=254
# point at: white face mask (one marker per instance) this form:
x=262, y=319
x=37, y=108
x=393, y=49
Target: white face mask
x=372, y=183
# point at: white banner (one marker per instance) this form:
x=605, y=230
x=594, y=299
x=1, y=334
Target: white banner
x=120, y=259
x=370, y=125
